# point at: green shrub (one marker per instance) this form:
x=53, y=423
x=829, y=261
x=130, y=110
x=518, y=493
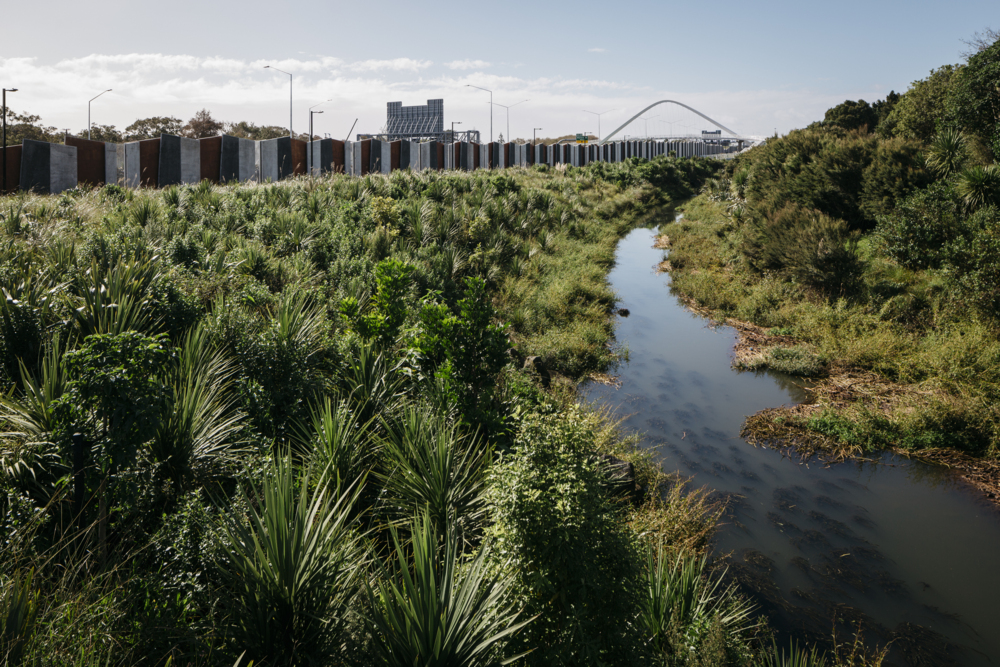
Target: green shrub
x=975, y=258
x=292, y=570
x=917, y=232
x=560, y=542
x=811, y=247
x=896, y=170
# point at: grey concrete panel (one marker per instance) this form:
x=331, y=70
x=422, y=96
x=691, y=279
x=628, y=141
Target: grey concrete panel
x=449, y=155
x=375, y=157
x=404, y=154
x=386, y=158
x=170, y=161
x=415, y=155
x=466, y=155
x=112, y=163
x=190, y=160
x=429, y=155
x=229, y=160
x=267, y=160
x=349, y=158
x=286, y=163
x=35, y=166
x=248, y=166
x=132, y=170
x=62, y=168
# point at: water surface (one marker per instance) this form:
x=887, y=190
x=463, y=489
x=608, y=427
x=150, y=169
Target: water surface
x=897, y=545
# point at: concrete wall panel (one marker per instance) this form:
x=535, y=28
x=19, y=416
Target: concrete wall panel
x=35, y=172
x=63, y=168
x=385, y=160
x=190, y=161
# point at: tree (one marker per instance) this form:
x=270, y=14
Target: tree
x=980, y=41
x=247, y=130
x=28, y=126
x=202, y=125
x=107, y=133
x=152, y=128
x=921, y=110
x=883, y=108
x=974, y=97
x=852, y=115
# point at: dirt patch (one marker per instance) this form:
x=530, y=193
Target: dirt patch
x=662, y=242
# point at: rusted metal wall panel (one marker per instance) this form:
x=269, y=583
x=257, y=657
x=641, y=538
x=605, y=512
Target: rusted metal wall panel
x=90, y=165
x=13, y=169
x=211, y=158
x=298, y=157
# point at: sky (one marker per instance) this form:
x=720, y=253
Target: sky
x=757, y=68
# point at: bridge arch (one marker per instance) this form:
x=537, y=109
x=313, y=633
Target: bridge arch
x=680, y=104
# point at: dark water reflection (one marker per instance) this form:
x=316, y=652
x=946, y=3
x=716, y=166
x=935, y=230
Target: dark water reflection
x=895, y=545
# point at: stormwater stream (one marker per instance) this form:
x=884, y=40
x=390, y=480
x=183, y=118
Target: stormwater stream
x=899, y=546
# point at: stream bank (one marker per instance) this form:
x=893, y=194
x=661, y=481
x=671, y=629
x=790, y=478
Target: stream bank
x=896, y=547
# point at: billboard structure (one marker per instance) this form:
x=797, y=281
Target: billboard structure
x=421, y=122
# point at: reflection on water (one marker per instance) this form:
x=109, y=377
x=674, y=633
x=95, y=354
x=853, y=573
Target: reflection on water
x=894, y=545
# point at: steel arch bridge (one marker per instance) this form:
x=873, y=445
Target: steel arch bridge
x=680, y=104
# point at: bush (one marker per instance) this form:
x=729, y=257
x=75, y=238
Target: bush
x=811, y=247
x=917, y=231
x=896, y=170
x=975, y=258
x=561, y=544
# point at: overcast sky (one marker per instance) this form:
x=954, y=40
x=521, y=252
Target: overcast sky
x=754, y=67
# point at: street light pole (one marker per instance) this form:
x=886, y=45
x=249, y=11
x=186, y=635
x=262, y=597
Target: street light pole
x=3, y=190
x=598, y=120
x=469, y=85
x=309, y=160
x=88, y=110
x=453, y=124
x=290, y=135
x=534, y=138
x=508, y=114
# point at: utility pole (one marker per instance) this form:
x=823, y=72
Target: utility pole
x=5, y=91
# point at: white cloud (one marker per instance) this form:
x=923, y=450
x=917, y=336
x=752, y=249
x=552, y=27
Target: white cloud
x=394, y=65
x=467, y=64
x=233, y=89
x=597, y=49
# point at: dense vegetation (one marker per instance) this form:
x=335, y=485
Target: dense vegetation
x=869, y=245
x=290, y=423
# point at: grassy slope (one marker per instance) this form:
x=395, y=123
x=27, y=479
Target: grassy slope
x=906, y=372
x=234, y=255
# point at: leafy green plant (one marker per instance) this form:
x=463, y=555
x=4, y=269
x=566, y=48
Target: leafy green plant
x=292, y=569
x=796, y=656
x=684, y=601
x=200, y=428
x=428, y=608
x=979, y=186
x=559, y=540
x=947, y=153
x=18, y=616
x=432, y=469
